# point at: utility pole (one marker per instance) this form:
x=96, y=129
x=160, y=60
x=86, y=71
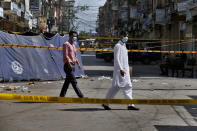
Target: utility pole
x=49, y=17
x=69, y=16
x=59, y=16
x=69, y=13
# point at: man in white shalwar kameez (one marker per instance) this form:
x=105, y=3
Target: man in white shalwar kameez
x=121, y=75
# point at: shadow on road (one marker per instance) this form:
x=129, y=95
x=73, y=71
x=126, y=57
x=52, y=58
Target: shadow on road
x=26, y=102
x=175, y=128
x=87, y=109
x=99, y=73
x=192, y=109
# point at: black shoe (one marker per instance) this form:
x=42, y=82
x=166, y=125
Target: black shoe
x=133, y=108
x=106, y=107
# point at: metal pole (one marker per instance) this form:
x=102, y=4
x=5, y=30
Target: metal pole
x=62, y=19
x=69, y=17
x=60, y=1
x=49, y=18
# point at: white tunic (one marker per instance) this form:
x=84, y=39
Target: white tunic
x=121, y=63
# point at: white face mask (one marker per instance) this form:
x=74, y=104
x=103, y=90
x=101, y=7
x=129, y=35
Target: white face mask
x=125, y=39
x=74, y=38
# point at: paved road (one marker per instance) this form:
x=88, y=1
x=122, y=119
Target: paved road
x=22, y=116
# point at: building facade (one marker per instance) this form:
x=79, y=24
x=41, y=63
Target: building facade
x=37, y=15
x=172, y=20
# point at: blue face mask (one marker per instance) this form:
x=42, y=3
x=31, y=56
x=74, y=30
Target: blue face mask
x=74, y=38
x=125, y=39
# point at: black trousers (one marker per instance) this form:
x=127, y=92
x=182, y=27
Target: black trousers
x=70, y=78
x=164, y=69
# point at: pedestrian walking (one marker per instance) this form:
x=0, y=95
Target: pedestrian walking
x=121, y=75
x=165, y=65
x=70, y=59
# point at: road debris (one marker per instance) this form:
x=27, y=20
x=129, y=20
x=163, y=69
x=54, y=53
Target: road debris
x=17, y=89
x=135, y=80
x=84, y=76
x=104, y=78
x=31, y=83
x=48, y=82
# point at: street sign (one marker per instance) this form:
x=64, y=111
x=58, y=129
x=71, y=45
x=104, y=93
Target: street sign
x=34, y=5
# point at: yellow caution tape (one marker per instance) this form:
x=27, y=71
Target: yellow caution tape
x=112, y=38
x=93, y=37
x=49, y=99
x=160, y=41
x=16, y=32
x=92, y=49
x=167, y=41
x=158, y=51
x=137, y=39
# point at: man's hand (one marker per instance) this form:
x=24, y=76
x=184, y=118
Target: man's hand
x=79, y=66
x=122, y=73
x=71, y=66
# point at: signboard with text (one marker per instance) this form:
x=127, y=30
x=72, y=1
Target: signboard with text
x=124, y=13
x=34, y=5
x=160, y=16
x=42, y=23
x=133, y=12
